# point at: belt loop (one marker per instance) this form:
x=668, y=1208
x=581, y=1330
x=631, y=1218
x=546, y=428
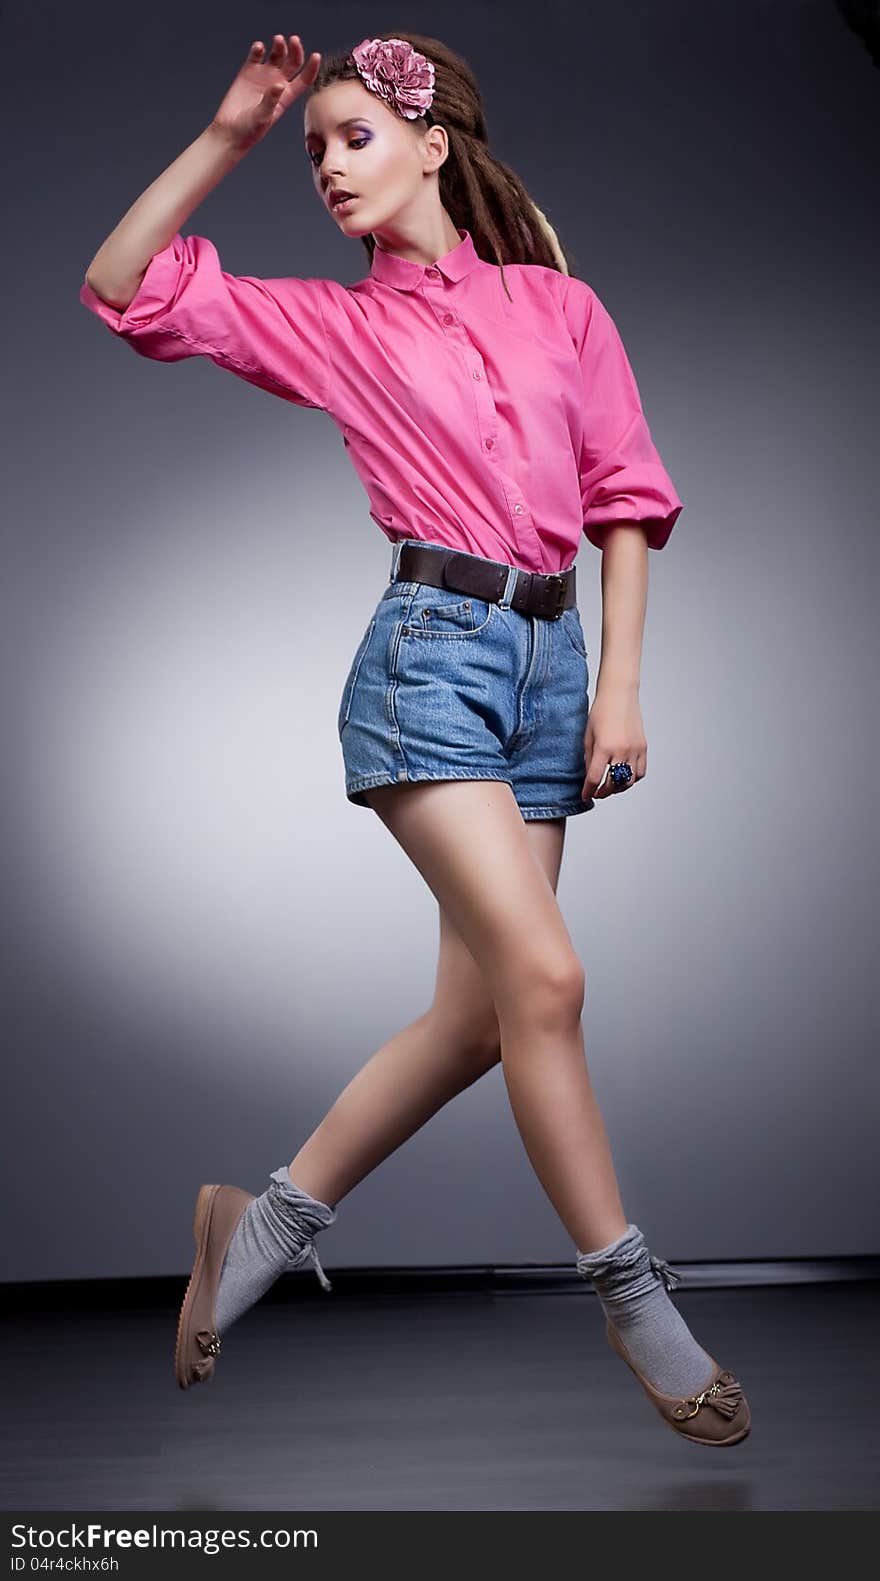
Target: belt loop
x=396, y=551
x=509, y=588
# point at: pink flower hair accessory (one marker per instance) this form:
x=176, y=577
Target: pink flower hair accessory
x=396, y=72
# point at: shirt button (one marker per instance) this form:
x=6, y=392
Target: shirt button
x=518, y=509
x=433, y=274
x=448, y=318
x=489, y=443
x=477, y=374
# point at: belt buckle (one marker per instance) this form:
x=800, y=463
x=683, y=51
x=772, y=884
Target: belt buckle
x=560, y=600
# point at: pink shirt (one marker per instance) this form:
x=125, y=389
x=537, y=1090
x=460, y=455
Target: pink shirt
x=500, y=428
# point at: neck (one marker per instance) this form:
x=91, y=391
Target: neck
x=418, y=244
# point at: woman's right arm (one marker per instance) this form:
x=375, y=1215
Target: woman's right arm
x=118, y=267
x=258, y=97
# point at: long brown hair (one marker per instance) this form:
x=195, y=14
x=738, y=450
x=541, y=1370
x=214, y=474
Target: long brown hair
x=479, y=191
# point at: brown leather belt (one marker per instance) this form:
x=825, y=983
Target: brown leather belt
x=534, y=593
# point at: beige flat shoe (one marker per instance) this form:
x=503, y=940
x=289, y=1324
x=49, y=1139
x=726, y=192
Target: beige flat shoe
x=718, y=1415
x=218, y=1210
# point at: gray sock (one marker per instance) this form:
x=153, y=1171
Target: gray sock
x=631, y=1286
x=274, y=1234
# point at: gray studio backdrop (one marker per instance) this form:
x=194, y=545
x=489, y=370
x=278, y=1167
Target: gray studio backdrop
x=203, y=939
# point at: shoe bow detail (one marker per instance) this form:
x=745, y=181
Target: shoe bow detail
x=725, y=1397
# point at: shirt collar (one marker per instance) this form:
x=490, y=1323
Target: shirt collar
x=408, y=276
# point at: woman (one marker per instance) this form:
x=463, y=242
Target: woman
x=489, y=408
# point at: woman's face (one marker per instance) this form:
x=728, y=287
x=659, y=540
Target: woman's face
x=377, y=156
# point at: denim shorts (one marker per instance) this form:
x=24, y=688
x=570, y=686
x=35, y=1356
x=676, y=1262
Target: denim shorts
x=445, y=686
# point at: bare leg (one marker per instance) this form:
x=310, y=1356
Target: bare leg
x=420, y=1069
x=469, y=842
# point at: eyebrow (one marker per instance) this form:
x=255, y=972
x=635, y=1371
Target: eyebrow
x=353, y=120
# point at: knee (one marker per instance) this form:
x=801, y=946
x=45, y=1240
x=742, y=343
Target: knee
x=485, y=1054
x=473, y=1038
x=549, y=991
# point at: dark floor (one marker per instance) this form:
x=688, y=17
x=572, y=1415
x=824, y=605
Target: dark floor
x=505, y=1401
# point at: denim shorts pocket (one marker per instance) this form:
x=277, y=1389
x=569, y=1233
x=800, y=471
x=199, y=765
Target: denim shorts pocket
x=437, y=613
x=571, y=621
x=351, y=678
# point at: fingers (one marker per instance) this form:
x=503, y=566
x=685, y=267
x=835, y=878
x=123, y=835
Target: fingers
x=609, y=787
x=309, y=71
x=287, y=58
x=281, y=52
x=599, y=784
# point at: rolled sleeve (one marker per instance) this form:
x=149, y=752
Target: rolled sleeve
x=622, y=477
x=271, y=333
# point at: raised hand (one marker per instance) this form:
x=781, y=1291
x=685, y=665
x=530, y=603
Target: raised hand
x=264, y=89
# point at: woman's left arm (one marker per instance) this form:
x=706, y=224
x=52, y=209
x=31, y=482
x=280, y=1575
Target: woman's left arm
x=615, y=732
